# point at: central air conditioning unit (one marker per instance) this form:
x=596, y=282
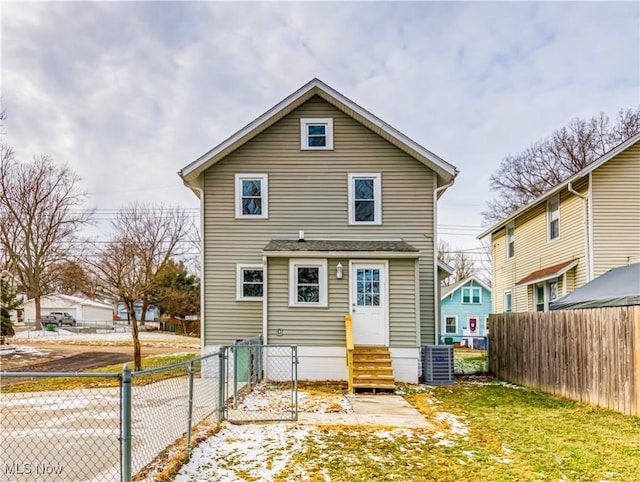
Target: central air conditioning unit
x=437, y=364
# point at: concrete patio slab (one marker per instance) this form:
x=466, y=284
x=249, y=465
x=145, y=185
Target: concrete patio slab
x=387, y=410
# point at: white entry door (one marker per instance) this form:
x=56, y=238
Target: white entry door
x=369, y=303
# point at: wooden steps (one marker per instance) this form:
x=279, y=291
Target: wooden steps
x=372, y=368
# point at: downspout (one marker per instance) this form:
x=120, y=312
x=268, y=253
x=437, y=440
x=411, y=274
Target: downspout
x=585, y=223
x=436, y=278
x=202, y=337
x=265, y=291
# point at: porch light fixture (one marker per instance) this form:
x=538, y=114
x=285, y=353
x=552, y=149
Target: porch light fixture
x=339, y=271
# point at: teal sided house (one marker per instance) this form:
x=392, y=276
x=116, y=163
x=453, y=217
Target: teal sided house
x=314, y=211
x=464, y=309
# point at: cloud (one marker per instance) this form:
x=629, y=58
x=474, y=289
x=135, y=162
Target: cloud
x=128, y=93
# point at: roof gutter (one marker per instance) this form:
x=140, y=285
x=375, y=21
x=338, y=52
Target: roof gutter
x=436, y=279
x=585, y=224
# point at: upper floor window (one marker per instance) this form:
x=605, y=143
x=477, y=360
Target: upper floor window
x=308, y=282
x=553, y=217
x=508, y=302
x=252, y=196
x=249, y=282
x=365, y=199
x=316, y=134
x=511, y=241
x=472, y=295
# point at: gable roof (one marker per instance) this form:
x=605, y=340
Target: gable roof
x=580, y=174
x=445, y=171
x=448, y=290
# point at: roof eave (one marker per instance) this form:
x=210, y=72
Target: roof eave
x=341, y=254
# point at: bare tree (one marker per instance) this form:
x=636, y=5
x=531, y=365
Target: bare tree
x=39, y=219
x=524, y=176
x=145, y=238
x=462, y=264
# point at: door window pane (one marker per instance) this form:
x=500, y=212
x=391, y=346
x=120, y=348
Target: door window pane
x=368, y=290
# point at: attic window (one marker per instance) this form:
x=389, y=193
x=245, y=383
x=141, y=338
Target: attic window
x=316, y=134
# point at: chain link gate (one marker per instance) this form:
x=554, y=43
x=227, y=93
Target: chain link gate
x=260, y=382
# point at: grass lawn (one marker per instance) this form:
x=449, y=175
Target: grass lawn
x=481, y=430
x=67, y=383
x=511, y=434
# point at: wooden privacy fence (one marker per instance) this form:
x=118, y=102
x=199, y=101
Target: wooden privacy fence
x=591, y=356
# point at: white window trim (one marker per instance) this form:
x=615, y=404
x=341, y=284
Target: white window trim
x=239, y=282
x=377, y=197
x=444, y=328
x=554, y=199
x=546, y=293
x=293, y=292
x=471, y=289
x=264, y=188
x=510, y=226
x=305, y=122
x=510, y=293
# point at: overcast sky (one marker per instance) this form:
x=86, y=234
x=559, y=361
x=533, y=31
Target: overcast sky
x=129, y=93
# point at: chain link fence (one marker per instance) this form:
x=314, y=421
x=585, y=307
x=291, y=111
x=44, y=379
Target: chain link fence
x=69, y=435
x=109, y=426
x=248, y=366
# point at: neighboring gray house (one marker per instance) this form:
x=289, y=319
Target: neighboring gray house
x=315, y=210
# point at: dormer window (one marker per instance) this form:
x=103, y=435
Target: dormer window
x=316, y=134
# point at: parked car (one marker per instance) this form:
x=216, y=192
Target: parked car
x=58, y=318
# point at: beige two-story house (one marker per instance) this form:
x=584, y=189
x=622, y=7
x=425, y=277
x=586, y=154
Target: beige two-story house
x=315, y=210
x=575, y=232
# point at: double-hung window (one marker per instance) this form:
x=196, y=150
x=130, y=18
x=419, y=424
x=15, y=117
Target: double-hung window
x=365, y=198
x=316, y=134
x=249, y=282
x=508, y=302
x=308, y=282
x=511, y=241
x=472, y=295
x=553, y=218
x=252, y=200
x=451, y=325
x=545, y=293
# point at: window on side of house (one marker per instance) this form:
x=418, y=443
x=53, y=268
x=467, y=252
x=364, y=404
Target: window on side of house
x=511, y=241
x=308, y=282
x=451, y=325
x=249, y=282
x=553, y=218
x=365, y=198
x=545, y=293
x=472, y=295
x=252, y=200
x=508, y=302
x=316, y=134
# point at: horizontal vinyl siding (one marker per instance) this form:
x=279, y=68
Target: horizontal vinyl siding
x=402, y=306
x=308, y=191
x=533, y=251
x=307, y=326
x=616, y=211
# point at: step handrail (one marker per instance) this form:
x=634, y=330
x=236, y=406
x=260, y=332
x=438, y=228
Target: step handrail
x=348, y=326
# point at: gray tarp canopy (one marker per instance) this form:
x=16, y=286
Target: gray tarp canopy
x=617, y=287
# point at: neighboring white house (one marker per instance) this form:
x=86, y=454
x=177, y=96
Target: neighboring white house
x=83, y=309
